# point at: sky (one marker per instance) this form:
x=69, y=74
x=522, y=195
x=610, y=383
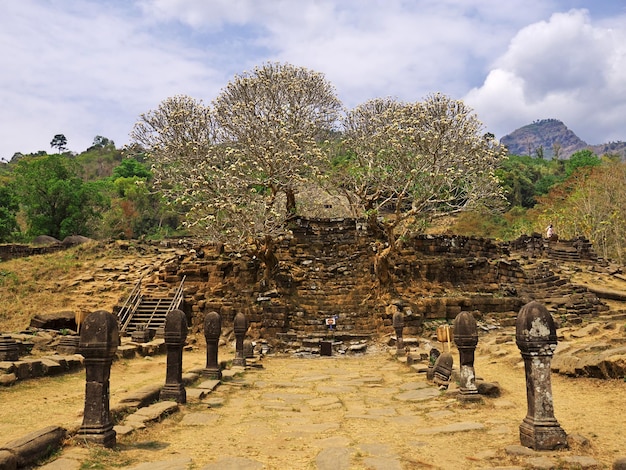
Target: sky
x=87, y=68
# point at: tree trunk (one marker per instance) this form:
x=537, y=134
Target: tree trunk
x=291, y=202
x=267, y=255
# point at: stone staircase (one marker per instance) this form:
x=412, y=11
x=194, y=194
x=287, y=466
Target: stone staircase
x=142, y=312
x=558, y=294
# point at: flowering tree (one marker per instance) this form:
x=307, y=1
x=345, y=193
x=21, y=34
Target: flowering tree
x=272, y=123
x=424, y=159
x=232, y=166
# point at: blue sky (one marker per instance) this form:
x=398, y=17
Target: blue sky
x=91, y=67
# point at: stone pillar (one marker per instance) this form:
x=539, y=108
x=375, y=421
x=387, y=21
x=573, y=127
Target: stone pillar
x=535, y=335
x=240, y=325
x=398, y=326
x=99, y=338
x=212, y=332
x=466, y=339
x=175, y=336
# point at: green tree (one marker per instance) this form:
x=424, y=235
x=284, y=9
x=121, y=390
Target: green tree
x=101, y=142
x=55, y=200
x=59, y=141
x=581, y=159
x=129, y=168
x=8, y=211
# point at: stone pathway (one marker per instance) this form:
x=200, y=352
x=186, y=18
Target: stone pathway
x=368, y=411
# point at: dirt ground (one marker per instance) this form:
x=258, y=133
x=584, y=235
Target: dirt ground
x=295, y=409
x=287, y=413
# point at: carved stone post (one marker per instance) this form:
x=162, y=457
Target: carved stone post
x=432, y=359
x=99, y=338
x=175, y=336
x=212, y=332
x=443, y=369
x=240, y=326
x=466, y=339
x=535, y=336
x=398, y=326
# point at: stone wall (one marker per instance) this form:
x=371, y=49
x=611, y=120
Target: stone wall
x=326, y=271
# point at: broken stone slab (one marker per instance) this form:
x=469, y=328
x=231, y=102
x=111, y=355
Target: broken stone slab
x=50, y=367
x=541, y=463
x=606, y=364
x=519, y=450
x=35, y=445
x=581, y=461
x=143, y=396
x=209, y=385
x=196, y=394
x=126, y=351
x=152, y=348
x=151, y=413
x=325, y=403
x=229, y=374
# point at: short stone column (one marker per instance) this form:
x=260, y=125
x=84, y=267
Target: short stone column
x=212, y=332
x=398, y=326
x=240, y=326
x=466, y=339
x=175, y=336
x=536, y=339
x=99, y=338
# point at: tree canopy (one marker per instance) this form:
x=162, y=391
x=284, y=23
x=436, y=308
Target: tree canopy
x=424, y=159
x=55, y=200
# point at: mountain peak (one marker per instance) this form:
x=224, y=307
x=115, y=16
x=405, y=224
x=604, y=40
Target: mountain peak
x=549, y=136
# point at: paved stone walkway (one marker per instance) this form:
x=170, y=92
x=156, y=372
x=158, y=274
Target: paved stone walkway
x=368, y=411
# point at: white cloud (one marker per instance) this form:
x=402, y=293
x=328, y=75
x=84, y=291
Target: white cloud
x=91, y=67
x=566, y=68
x=84, y=73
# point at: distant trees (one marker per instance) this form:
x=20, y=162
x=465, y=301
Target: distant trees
x=8, y=210
x=59, y=141
x=55, y=200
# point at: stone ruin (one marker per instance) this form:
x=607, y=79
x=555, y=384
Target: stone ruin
x=326, y=271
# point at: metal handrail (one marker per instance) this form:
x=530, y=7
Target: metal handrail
x=127, y=311
x=178, y=296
